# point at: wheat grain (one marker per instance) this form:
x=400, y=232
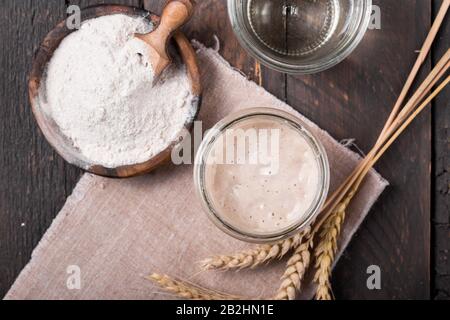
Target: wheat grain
x=295, y=271
x=253, y=258
x=189, y=291
x=327, y=248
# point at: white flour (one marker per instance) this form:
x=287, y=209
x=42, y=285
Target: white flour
x=99, y=91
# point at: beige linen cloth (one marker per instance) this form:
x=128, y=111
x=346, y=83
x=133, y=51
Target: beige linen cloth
x=119, y=231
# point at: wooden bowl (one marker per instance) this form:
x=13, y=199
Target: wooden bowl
x=50, y=129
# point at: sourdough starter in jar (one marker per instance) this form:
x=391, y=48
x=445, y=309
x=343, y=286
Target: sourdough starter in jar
x=268, y=183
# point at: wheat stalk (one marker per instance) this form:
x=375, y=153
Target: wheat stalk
x=327, y=248
x=253, y=258
x=189, y=291
x=398, y=121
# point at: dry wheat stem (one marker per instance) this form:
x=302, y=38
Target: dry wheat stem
x=328, y=244
x=424, y=51
x=420, y=60
x=406, y=123
x=410, y=80
x=361, y=171
x=327, y=248
x=253, y=258
x=410, y=112
x=189, y=291
x=435, y=75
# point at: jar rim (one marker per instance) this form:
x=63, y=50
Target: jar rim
x=322, y=64
x=201, y=190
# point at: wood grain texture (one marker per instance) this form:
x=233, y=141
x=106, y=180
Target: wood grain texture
x=396, y=235
x=441, y=175
x=350, y=100
x=34, y=180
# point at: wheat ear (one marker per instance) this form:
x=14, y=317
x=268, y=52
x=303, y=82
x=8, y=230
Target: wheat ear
x=253, y=258
x=327, y=248
x=189, y=291
x=296, y=268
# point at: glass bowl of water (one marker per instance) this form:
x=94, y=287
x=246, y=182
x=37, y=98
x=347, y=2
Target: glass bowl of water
x=300, y=36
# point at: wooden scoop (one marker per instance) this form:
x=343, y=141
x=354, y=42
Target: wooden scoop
x=175, y=14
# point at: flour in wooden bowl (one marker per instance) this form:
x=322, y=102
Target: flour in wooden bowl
x=99, y=91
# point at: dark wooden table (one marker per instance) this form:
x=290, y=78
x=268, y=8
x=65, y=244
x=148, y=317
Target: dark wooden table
x=407, y=233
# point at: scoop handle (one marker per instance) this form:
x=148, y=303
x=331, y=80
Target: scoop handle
x=175, y=14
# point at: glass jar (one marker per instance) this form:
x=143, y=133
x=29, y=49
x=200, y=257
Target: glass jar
x=300, y=36
x=258, y=202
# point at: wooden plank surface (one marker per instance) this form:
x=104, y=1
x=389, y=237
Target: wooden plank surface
x=441, y=175
x=34, y=181
x=396, y=234
x=350, y=101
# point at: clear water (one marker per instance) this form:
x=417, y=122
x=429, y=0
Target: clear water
x=295, y=28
